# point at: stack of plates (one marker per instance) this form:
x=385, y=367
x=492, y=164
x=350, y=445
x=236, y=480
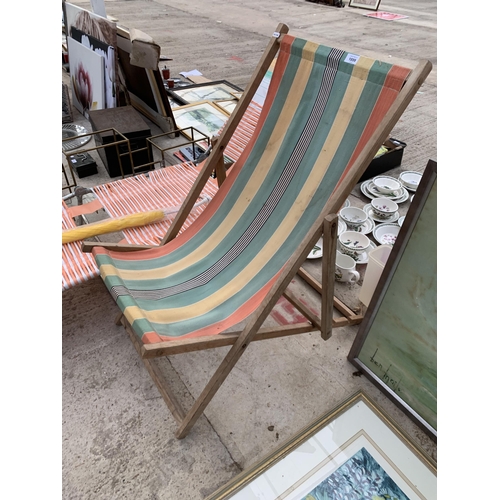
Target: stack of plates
x=370, y=191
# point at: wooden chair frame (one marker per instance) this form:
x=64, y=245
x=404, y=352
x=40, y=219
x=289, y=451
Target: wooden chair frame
x=326, y=225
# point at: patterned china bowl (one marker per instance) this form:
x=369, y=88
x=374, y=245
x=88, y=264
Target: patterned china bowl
x=353, y=244
x=386, y=234
x=410, y=179
x=384, y=208
x=385, y=184
x=353, y=217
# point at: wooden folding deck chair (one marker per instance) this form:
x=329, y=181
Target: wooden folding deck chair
x=326, y=113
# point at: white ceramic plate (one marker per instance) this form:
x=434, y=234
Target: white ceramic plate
x=410, y=189
x=386, y=179
x=317, y=251
x=368, y=209
x=341, y=227
x=370, y=191
x=386, y=233
x=74, y=130
x=401, y=220
x=365, y=228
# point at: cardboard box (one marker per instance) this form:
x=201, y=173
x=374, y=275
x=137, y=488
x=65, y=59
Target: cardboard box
x=387, y=161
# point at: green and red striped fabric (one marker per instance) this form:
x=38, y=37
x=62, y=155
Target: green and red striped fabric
x=322, y=107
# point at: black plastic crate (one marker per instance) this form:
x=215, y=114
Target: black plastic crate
x=387, y=161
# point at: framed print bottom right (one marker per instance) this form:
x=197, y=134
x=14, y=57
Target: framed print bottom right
x=353, y=452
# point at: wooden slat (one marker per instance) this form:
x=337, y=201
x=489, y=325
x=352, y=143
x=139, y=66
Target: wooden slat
x=302, y=308
x=170, y=347
x=352, y=320
x=337, y=303
x=328, y=274
x=87, y=246
x=157, y=377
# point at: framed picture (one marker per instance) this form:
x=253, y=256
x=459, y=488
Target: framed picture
x=203, y=116
x=237, y=95
x=365, y=4
x=354, y=451
x=227, y=106
x=396, y=344
x=209, y=91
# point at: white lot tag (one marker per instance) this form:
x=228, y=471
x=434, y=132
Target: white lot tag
x=351, y=58
x=276, y=34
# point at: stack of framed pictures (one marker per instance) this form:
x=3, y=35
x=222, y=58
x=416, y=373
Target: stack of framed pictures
x=353, y=452
x=204, y=106
x=92, y=58
x=203, y=116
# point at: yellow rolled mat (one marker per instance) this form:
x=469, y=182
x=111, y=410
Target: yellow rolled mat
x=112, y=225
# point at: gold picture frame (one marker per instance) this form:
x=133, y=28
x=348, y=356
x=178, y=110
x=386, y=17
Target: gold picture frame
x=227, y=106
x=342, y=445
x=219, y=90
x=204, y=117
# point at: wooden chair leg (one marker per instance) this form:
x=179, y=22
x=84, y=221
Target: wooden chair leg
x=168, y=396
x=215, y=382
x=328, y=274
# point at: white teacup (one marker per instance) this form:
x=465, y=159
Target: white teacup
x=345, y=269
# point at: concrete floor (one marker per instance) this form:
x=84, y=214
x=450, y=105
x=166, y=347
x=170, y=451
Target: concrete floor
x=118, y=435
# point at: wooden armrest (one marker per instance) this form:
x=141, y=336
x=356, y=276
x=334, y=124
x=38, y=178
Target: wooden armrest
x=87, y=246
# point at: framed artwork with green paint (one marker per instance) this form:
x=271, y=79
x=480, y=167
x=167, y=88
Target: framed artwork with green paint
x=396, y=344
